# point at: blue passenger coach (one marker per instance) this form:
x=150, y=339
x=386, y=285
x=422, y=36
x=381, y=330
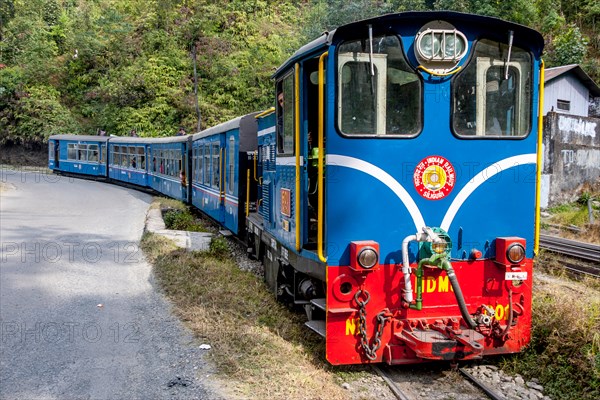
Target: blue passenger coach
x=78, y=154
x=127, y=161
x=223, y=164
x=168, y=167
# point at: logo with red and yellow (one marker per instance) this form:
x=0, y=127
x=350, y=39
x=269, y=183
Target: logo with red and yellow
x=434, y=177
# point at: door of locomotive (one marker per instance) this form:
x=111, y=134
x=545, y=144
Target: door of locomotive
x=311, y=112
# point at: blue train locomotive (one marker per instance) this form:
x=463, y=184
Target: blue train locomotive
x=391, y=192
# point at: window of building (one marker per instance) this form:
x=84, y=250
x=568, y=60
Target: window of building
x=563, y=105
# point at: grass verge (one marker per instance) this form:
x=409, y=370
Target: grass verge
x=564, y=353
x=262, y=348
x=577, y=215
x=178, y=216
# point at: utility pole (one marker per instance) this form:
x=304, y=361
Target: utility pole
x=196, y=87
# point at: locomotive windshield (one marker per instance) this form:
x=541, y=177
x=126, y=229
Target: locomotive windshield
x=492, y=97
x=378, y=93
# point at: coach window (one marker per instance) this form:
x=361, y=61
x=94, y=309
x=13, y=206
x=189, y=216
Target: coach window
x=82, y=152
x=201, y=164
x=71, y=152
x=231, y=162
x=285, y=115
x=492, y=96
x=206, y=164
x=141, y=158
x=51, y=151
x=93, y=153
x=215, y=165
x=200, y=156
x=378, y=93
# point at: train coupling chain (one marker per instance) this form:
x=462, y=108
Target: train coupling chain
x=382, y=318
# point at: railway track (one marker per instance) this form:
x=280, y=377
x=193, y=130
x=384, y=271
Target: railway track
x=440, y=383
x=581, y=250
x=469, y=388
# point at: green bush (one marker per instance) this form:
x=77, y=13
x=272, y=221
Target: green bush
x=219, y=247
x=182, y=220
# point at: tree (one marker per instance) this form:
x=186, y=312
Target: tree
x=570, y=47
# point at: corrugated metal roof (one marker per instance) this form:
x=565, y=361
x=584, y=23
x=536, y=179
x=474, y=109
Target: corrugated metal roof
x=553, y=73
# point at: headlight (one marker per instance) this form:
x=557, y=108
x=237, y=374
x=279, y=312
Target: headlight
x=429, y=45
x=439, y=46
x=515, y=253
x=367, y=258
x=430, y=42
x=453, y=46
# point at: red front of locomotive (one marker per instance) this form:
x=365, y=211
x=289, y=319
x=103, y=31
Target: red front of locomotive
x=370, y=320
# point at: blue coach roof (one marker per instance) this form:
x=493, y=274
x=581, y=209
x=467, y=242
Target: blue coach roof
x=523, y=33
x=223, y=127
x=80, y=138
x=149, y=140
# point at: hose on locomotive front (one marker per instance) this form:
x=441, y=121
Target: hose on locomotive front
x=438, y=260
x=460, y=299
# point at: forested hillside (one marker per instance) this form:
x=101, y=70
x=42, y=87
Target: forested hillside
x=80, y=66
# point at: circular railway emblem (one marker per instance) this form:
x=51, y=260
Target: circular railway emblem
x=434, y=177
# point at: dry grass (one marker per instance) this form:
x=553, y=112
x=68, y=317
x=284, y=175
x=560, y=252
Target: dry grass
x=166, y=203
x=576, y=214
x=262, y=348
x=564, y=353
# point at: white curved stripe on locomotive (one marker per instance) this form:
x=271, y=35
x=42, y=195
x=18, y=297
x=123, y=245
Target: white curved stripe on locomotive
x=479, y=179
x=407, y=200
x=383, y=177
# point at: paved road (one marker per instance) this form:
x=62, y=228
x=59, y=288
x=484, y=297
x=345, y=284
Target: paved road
x=68, y=246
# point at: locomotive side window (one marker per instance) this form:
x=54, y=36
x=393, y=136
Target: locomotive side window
x=492, y=97
x=285, y=115
x=378, y=94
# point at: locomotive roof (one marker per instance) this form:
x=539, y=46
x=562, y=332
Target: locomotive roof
x=80, y=138
x=523, y=34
